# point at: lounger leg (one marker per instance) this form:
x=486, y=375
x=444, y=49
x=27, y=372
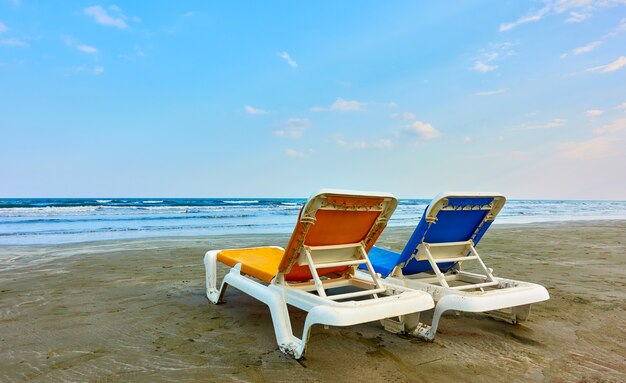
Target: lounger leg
x=426, y=332
x=210, y=265
x=521, y=313
x=403, y=324
x=272, y=296
x=315, y=316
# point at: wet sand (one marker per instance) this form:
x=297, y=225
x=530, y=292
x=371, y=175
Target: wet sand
x=135, y=311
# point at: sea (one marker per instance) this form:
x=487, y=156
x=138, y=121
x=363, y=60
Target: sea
x=66, y=220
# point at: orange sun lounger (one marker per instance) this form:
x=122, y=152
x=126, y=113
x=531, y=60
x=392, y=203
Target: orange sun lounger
x=316, y=271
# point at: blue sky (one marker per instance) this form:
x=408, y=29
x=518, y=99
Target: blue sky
x=278, y=99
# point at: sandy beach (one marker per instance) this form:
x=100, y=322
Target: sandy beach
x=135, y=311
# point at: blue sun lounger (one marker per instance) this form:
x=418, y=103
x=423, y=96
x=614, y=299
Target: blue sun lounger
x=431, y=261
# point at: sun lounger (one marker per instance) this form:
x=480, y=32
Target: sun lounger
x=431, y=261
x=316, y=272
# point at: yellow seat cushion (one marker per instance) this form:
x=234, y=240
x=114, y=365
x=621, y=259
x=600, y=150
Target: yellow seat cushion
x=258, y=262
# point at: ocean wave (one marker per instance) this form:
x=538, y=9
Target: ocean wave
x=151, y=201
x=103, y=200
x=240, y=201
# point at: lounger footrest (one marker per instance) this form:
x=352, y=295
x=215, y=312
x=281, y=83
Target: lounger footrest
x=455, y=259
x=356, y=294
x=338, y=264
x=475, y=285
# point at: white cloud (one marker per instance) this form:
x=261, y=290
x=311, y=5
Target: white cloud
x=87, y=49
x=564, y=56
x=577, y=17
x=421, y=130
x=293, y=153
x=594, y=112
x=253, y=110
x=71, y=42
x=587, y=48
x=467, y=138
x=102, y=17
x=592, y=149
x=378, y=144
x=622, y=106
x=346, y=105
x=491, y=92
x=407, y=116
x=492, y=53
x=82, y=69
x=341, y=105
x=536, y=16
x=285, y=56
x=608, y=136
x=612, y=127
x=621, y=27
x=293, y=128
x=14, y=43
x=610, y=67
x=554, y=124
x=579, y=10
x=3, y=27
x=481, y=67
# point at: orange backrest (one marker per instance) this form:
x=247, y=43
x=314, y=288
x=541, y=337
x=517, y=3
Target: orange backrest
x=335, y=219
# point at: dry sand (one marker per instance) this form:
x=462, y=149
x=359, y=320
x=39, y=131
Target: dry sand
x=135, y=311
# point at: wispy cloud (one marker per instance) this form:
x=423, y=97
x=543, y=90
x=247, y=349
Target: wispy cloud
x=530, y=18
x=619, y=63
x=621, y=106
x=14, y=43
x=293, y=128
x=253, y=110
x=621, y=27
x=577, y=10
x=3, y=27
x=586, y=48
x=102, y=17
x=87, y=49
x=71, y=42
x=408, y=116
x=293, y=153
x=285, y=56
x=592, y=149
x=479, y=66
x=553, y=124
x=491, y=92
x=341, y=105
x=377, y=144
x=97, y=70
x=615, y=126
x=494, y=52
x=421, y=130
x=608, y=136
x=594, y=112
x=577, y=17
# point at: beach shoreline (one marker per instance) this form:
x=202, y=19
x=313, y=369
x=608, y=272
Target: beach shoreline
x=135, y=310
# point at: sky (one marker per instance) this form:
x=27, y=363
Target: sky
x=281, y=98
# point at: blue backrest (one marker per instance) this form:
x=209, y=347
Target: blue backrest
x=451, y=217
